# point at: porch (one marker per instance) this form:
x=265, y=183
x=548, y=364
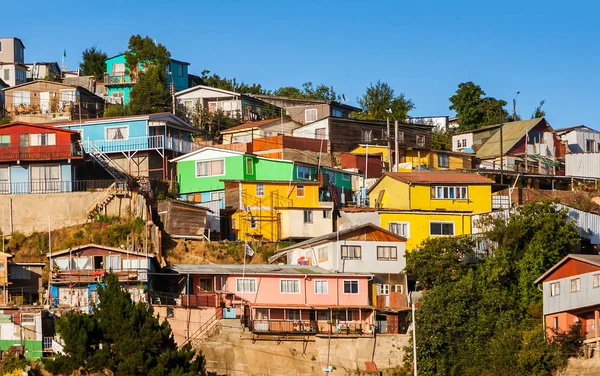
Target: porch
x=133, y=144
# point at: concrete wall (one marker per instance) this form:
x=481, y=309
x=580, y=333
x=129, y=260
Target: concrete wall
x=31, y=212
x=184, y=321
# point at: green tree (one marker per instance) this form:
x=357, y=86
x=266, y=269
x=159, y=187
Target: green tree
x=441, y=140
x=123, y=338
x=474, y=110
x=231, y=84
x=539, y=113
x=93, y=63
x=309, y=91
x=148, y=61
x=379, y=98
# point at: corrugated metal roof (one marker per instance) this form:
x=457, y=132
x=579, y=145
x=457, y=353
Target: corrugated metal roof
x=253, y=124
x=511, y=134
x=437, y=177
x=253, y=269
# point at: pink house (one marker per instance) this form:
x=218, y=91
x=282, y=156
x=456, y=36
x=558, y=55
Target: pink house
x=283, y=299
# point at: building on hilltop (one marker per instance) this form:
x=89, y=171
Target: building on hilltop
x=247, y=132
x=13, y=70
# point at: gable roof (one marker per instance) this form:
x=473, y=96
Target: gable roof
x=204, y=149
x=588, y=259
x=159, y=116
x=76, y=87
x=254, y=269
x=334, y=235
x=92, y=245
x=512, y=133
x=206, y=87
x=40, y=126
x=435, y=177
x=561, y=131
x=251, y=125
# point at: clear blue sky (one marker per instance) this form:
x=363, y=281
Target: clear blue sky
x=544, y=49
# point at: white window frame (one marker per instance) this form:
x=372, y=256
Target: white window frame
x=420, y=141
x=210, y=161
x=443, y=192
x=313, y=115
x=116, y=127
x=390, y=224
x=310, y=217
x=554, y=288
x=324, y=290
x=296, y=281
x=260, y=190
x=5, y=184
x=323, y=254
x=577, y=284
x=347, y=257
x=237, y=286
x=22, y=97
x=443, y=222
x=392, y=249
x=249, y=171
x=350, y=281
x=595, y=281
x=366, y=135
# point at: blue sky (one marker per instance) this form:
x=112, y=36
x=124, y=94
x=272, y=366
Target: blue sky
x=544, y=49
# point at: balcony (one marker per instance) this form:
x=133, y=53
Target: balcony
x=40, y=153
x=142, y=143
x=291, y=327
x=74, y=276
x=119, y=79
x=54, y=186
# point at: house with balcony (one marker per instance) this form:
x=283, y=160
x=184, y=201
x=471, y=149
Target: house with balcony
x=365, y=248
x=77, y=272
x=571, y=291
x=119, y=78
x=137, y=145
x=37, y=158
x=46, y=101
x=281, y=299
x=419, y=205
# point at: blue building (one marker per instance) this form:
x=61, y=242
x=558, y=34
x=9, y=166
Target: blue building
x=137, y=145
x=119, y=78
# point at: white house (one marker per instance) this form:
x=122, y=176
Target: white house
x=580, y=139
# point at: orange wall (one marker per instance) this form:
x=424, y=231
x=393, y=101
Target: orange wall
x=571, y=268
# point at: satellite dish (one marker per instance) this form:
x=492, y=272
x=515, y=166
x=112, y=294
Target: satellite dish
x=344, y=98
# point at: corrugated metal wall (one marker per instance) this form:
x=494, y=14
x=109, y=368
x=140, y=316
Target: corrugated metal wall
x=583, y=165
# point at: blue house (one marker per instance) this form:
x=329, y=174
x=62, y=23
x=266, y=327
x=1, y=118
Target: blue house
x=137, y=145
x=119, y=78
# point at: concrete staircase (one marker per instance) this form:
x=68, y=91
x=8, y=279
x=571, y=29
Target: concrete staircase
x=104, y=198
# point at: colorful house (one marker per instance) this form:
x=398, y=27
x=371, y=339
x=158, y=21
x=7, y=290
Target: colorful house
x=38, y=159
x=119, y=78
x=247, y=132
x=273, y=210
x=28, y=329
x=282, y=299
x=137, y=145
x=77, y=273
x=417, y=205
x=419, y=159
x=572, y=295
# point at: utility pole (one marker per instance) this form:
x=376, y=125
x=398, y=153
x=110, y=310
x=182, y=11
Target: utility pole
x=389, y=144
x=396, y=156
x=502, y=150
x=173, y=96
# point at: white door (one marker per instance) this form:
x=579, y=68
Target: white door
x=45, y=102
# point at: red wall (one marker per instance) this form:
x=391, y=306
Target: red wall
x=358, y=162
x=571, y=268
x=62, y=137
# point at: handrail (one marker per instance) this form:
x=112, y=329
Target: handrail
x=103, y=195
x=204, y=327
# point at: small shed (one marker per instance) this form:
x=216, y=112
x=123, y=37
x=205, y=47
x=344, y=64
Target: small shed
x=183, y=220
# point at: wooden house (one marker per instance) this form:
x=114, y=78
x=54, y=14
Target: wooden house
x=26, y=282
x=183, y=220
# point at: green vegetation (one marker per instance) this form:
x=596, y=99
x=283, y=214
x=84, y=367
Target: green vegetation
x=474, y=110
x=216, y=81
x=378, y=99
x=121, y=338
x=93, y=63
x=116, y=110
x=308, y=91
x=485, y=318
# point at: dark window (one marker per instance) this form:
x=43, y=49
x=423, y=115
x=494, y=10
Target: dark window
x=350, y=287
x=443, y=161
x=441, y=228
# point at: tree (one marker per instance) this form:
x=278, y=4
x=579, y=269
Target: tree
x=309, y=91
x=474, y=110
x=216, y=81
x=93, y=63
x=123, y=338
x=539, y=113
x=379, y=98
x=441, y=139
x=148, y=62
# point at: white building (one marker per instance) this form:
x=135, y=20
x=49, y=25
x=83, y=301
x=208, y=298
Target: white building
x=13, y=71
x=439, y=123
x=580, y=139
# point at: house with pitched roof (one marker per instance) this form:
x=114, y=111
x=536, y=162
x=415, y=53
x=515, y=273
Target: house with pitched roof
x=579, y=139
x=247, y=132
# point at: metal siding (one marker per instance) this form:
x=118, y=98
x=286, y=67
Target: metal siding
x=583, y=165
x=566, y=300
x=588, y=224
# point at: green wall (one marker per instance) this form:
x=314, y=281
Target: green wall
x=33, y=348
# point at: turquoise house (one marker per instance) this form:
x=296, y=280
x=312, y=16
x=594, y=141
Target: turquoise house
x=119, y=78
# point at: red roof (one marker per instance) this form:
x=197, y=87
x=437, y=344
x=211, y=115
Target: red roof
x=439, y=177
x=252, y=124
x=41, y=126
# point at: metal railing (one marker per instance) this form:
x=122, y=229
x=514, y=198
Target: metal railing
x=97, y=275
x=119, y=79
x=142, y=143
x=14, y=153
x=54, y=186
x=306, y=326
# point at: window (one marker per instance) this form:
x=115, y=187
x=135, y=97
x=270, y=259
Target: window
x=464, y=143
x=217, y=196
x=117, y=94
x=458, y=143
x=387, y=253
x=400, y=229
x=20, y=76
x=330, y=175
x=113, y=263
x=310, y=115
x=556, y=323
x=366, y=136
x=20, y=272
x=7, y=74
x=351, y=252
x=249, y=166
x=20, y=98
x=382, y=289
x=253, y=222
x=67, y=96
x=321, y=287
x=4, y=179
x=398, y=288
x=210, y=168
x=289, y=286
x=304, y=173
x=441, y=228
x=596, y=280
x=118, y=69
x=180, y=70
x=260, y=189
x=590, y=146
x=575, y=285
x=443, y=161
x=350, y=287
x=400, y=136
x=345, y=176
x=42, y=139
x=299, y=191
x=0, y=46
x=443, y=193
x=326, y=214
x=116, y=133
x=322, y=255
x=320, y=134
x=337, y=112
x=292, y=314
x=420, y=141
x=555, y=288
x=129, y=264
x=246, y=285
x=45, y=179
x=308, y=216
x=5, y=140
x=27, y=319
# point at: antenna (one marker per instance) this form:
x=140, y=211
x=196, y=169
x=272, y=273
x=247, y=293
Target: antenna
x=344, y=98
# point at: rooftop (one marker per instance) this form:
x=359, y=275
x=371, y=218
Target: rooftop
x=589, y=259
x=255, y=269
x=252, y=124
x=441, y=177
x=512, y=133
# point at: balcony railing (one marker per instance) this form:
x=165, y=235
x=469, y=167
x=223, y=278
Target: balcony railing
x=54, y=186
x=119, y=79
x=91, y=276
x=306, y=327
x=40, y=153
x=142, y=143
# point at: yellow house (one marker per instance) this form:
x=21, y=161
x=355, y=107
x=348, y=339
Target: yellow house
x=417, y=205
x=421, y=158
x=277, y=210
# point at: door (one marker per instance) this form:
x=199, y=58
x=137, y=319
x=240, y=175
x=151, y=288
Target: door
x=45, y=102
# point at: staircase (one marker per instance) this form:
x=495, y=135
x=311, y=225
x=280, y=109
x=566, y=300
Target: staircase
x=203, y=330
x=100, y=202
x=108, y=164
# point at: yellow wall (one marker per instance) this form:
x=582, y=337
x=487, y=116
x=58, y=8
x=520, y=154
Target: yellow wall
x=430, y=160
x=373, y=150
x=401, y=196
x=419, y=224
